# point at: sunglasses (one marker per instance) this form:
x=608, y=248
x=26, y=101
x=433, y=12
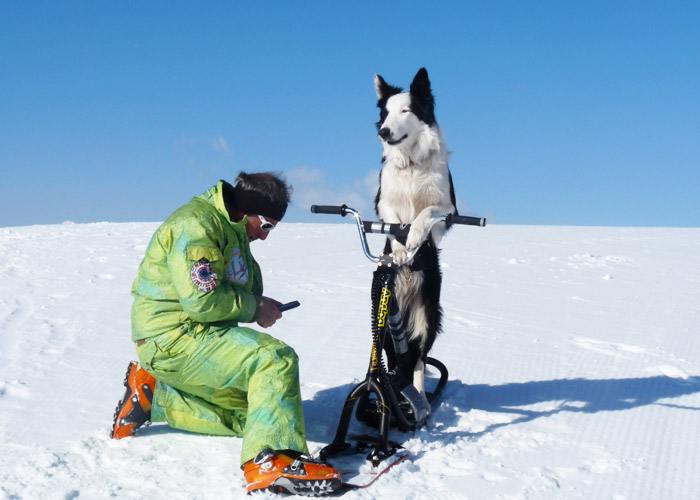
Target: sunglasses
x=265, y=225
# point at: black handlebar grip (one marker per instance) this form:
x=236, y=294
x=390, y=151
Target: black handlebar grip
x=329, y=209
x=384, y=228
x=462, y=219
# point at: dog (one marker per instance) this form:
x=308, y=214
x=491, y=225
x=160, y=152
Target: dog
x=415, y=185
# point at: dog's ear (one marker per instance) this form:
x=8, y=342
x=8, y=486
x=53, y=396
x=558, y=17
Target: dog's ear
x=383, y=89
x=422, y=100
x=380, y=86
x=421, y=85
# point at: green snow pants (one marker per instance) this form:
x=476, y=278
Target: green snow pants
x=227, y=381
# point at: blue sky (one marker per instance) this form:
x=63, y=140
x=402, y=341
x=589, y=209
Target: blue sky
x=561, y=113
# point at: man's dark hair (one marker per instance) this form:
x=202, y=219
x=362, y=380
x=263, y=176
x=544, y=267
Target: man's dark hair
x=272, y=186
x=263, y=193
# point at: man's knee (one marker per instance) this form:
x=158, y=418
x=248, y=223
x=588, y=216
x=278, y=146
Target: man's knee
x=282, y=352
x=279, y=358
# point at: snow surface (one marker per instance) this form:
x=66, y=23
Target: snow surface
x=574, y=358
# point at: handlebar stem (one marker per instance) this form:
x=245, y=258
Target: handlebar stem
x=363, y=235
x=381, y=259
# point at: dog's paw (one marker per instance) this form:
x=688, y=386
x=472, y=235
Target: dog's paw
x=414, y=240
x=419, y=231
x=400, y=256
x=399, y=253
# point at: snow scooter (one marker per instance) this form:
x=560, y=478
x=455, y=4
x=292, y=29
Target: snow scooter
x=385, y=399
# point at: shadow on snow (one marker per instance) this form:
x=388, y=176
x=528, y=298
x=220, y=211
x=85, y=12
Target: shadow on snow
x=322, y=413
x=518, y=399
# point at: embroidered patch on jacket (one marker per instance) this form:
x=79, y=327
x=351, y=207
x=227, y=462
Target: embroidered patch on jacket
x=203, y=276
x=237, y=270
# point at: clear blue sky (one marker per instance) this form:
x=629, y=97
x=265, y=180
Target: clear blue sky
x=564, y=113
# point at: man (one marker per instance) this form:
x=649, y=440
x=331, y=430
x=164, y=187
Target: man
x=201, y=371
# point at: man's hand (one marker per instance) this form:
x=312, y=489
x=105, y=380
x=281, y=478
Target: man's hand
x=268, y=312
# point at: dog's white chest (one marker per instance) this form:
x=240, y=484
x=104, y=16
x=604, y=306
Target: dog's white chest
x=406, y=192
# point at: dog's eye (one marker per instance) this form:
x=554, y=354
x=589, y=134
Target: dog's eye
x=405, y=110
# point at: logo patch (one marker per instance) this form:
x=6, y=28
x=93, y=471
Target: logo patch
x=237, y=270
x=383, y=306
x=203, y=277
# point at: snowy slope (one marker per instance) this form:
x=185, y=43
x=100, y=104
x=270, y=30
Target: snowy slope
x=574, y=358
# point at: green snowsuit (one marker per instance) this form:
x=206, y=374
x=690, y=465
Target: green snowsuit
x=214, y=376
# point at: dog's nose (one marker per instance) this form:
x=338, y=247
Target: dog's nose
x=385, y=133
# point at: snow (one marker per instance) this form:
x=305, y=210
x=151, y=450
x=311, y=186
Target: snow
x=574, y=358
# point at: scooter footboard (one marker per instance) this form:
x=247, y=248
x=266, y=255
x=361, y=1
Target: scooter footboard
x=434, y=396
x=360, y=392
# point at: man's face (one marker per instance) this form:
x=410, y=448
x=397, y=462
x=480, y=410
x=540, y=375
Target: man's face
x=254, y=227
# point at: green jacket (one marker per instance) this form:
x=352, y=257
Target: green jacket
x=167, y=295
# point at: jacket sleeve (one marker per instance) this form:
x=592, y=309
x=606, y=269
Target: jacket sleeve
x=200, y=242
x=257, y=279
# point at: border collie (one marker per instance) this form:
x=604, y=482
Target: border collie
x=415, y=185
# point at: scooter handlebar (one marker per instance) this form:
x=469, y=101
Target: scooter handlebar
x=403, y=229
x=398, y=230
x=395, y=229
x=463, y=219
x=329, y=209
x=384, y=228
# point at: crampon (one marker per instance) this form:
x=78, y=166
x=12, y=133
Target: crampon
x=280, y=473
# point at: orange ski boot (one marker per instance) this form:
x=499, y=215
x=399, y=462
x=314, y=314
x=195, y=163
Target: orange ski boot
x=134, y=409
x=280, y=473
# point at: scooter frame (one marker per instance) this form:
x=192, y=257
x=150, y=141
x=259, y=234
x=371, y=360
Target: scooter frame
x=387, y=404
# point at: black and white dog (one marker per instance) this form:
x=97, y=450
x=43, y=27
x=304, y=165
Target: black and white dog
x=415, y=185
